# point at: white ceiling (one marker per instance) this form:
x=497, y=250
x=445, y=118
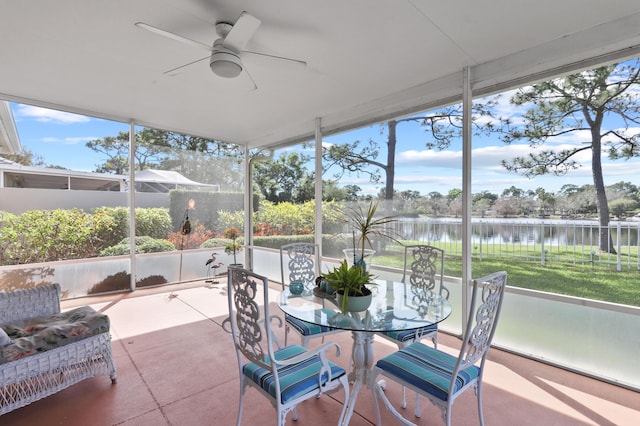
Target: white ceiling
x=368, y=60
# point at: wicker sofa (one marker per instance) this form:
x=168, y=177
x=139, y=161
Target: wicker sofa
x=45, y=350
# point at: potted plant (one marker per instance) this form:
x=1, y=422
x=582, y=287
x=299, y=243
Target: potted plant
x=234, y=246
x=367, y=226
x=350, y=283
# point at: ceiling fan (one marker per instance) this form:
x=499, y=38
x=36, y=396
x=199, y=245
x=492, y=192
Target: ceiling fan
x=227, y=51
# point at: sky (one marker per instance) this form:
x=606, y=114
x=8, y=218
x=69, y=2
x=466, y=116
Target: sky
x=60, y=138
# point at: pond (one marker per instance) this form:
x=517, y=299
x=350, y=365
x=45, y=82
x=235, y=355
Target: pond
x=518, y=231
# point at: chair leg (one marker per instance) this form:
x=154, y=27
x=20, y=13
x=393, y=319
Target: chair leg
x=282, y=417
x=345, y=385
x=286, y=334
x=479, y=397
x=449, y=406
x=376, y=388
x=418, y=411
x=240, y=404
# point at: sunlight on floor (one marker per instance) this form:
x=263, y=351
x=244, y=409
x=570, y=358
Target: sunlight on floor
x=141, y=315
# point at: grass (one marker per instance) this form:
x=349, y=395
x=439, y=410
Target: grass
x=598, y=281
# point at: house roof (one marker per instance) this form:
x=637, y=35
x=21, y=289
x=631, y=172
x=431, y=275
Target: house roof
x=9, y=140
x=147, y=180
x=150, y=180
x=17, y=175
x=367, y=60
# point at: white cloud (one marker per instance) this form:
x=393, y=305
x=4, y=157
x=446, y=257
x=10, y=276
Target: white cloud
x=50, y=116
x=488, y=157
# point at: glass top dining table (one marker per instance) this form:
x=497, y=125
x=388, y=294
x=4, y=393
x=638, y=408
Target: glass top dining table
x=395, y=306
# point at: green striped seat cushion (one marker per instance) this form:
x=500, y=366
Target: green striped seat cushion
x=428, y=369
x=408, y=335
x=295, y=380
x=309, y=329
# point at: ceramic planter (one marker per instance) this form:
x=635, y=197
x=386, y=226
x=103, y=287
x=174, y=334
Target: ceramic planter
x=355, y=303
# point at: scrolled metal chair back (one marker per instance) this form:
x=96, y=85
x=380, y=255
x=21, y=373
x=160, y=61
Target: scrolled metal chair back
x=301, y=260
x=250, y=331
x=482, y=325
x=425, y=266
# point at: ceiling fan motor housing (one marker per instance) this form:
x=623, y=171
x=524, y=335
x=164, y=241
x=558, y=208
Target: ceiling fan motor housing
x=224, y=62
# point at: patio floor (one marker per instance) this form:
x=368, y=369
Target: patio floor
x=176, y=366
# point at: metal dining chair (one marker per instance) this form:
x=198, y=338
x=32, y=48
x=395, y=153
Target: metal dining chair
x=424, y=272
x=438, y=375
x=285, y=375
x=299, y=262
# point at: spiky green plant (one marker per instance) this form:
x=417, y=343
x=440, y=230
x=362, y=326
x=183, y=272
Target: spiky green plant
x=350, y=280
x=368, y=226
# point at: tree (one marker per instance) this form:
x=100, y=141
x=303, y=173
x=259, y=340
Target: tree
x=579, y=103
x=506, y=206
x=444, y=126
x=626, y=190
x=352, y=192
x=190, y=156
x=454, y=194
x=281, y=179
x=483, y=201
x=25, y=157
x=436, y=203
x=150, y=148
x=622, y=207
x=515, y=198
x=204, y=160
x=547, y=201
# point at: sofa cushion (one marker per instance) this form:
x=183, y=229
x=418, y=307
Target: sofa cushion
x=49, y=332
x=4, y=338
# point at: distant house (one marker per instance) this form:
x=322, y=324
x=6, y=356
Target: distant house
x=14, y=175
x=150, y=180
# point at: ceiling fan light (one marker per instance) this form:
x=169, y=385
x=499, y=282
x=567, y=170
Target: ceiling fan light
x=225, y=64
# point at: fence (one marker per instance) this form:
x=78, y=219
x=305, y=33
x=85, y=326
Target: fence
x=539, y=240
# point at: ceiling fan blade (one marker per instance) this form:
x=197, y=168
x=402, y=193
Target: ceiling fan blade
x=278, y=61
x=241, y=32
x=172, y=36
x=174, y=71
x=247, y=80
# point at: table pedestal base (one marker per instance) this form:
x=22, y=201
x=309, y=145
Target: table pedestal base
x=361, y=365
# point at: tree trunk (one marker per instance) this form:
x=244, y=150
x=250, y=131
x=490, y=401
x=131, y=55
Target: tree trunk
x=391, y=160
x=605, y=240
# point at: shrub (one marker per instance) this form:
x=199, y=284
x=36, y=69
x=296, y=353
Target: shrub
x=120, y=226
x=217, y=243
x=144, y=244
x=285, y=218
x=198, y=235
x=152, y=222
x=50, y=235
x=332, y=245
x=230, y=219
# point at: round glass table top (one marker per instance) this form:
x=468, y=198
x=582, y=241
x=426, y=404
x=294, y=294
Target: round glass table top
x=394, y=306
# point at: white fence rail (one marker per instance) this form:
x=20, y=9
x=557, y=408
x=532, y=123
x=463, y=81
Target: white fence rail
x=535, y=240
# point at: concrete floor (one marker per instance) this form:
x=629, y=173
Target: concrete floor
x=177, y=366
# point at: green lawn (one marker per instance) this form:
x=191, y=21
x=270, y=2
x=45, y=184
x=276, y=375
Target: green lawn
x=585, y=281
